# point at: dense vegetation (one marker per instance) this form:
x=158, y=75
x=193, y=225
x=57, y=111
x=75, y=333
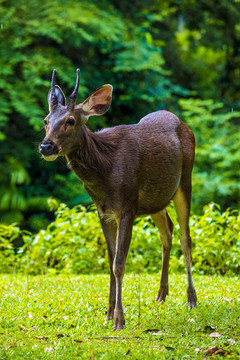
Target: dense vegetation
x=74, y=244
x=181, y=56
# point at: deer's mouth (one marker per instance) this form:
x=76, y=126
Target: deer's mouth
x=51, y=157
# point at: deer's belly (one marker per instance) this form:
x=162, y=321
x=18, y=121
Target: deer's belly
x=155, y=197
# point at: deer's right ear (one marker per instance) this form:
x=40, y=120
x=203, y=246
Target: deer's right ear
x=59, y=94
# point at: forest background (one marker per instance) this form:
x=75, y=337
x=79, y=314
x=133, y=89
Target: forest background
x=182, y=56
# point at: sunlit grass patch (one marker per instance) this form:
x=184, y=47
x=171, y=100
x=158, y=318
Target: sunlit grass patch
x=63, y=317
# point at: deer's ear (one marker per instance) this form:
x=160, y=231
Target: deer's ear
x=98, y=103
x=60, y=95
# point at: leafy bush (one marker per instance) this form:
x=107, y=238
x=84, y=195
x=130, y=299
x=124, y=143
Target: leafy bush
x=13, y=242
x=217, y=241
x=74, y=243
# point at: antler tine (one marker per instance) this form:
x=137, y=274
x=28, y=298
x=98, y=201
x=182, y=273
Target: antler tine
x=73, y=97
x=53, y=98
x=53, y=79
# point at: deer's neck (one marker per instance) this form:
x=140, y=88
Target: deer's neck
x=93, y=156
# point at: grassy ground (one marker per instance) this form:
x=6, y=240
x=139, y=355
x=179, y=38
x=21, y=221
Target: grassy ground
x=62, y=317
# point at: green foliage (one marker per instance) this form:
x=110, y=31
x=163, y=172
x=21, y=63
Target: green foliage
x=74, y=243
x=61, y=317
x=154, y=53
x=39, y=36
x=216, y=242
x=201, y=55
x=216, y=171
x=11, y=247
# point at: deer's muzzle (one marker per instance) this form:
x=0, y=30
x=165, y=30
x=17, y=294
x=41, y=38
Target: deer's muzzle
x=48, y=150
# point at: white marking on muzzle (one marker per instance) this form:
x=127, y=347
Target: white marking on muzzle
x=50, y=157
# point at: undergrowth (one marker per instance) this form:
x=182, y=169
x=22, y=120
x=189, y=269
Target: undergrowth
x=74, y=244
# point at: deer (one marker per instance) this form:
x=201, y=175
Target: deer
x=128, y=171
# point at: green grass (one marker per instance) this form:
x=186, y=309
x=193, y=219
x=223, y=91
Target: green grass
x=60, y=317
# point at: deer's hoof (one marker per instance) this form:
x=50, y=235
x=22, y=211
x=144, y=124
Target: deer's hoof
x=118, y=325
x=119, y=321
x=162, y=293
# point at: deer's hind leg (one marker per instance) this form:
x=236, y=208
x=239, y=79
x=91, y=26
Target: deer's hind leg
x=165, y=226
x=182, y=200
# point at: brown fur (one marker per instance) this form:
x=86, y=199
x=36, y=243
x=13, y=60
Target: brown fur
x=130, y=170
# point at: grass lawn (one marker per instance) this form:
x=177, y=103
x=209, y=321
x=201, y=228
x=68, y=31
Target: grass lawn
x=60, y=317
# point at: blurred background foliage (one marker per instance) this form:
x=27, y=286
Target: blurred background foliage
x=182, y=56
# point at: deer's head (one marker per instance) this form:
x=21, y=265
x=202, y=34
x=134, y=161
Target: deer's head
x=63, y=122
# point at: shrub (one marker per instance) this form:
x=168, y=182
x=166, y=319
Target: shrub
x=74, y=243
x=13, y=241
x=217, y=241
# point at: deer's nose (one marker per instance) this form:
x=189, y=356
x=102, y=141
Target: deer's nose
x=47, y=148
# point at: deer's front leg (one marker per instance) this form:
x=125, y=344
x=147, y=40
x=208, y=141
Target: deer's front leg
x=124, y=235
x=110, y=233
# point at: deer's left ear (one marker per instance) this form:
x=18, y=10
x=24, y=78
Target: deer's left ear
x=98, y=103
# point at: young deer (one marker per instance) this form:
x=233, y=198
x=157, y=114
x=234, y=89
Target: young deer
x=128, y=170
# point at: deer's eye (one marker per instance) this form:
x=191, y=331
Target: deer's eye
x=70, y=121
x=45, y=121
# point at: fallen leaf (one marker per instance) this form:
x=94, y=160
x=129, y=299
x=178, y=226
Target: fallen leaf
x=65, y=317
x=41, y=337
x=220, y=352
x=214, y=350
x=151, y=330
x=209, y=328
x=197, y=350
x=169, y=348
x=24, y=328
x=61, y=335
x=160, y=334
x=27, y=329
x=215, y=335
